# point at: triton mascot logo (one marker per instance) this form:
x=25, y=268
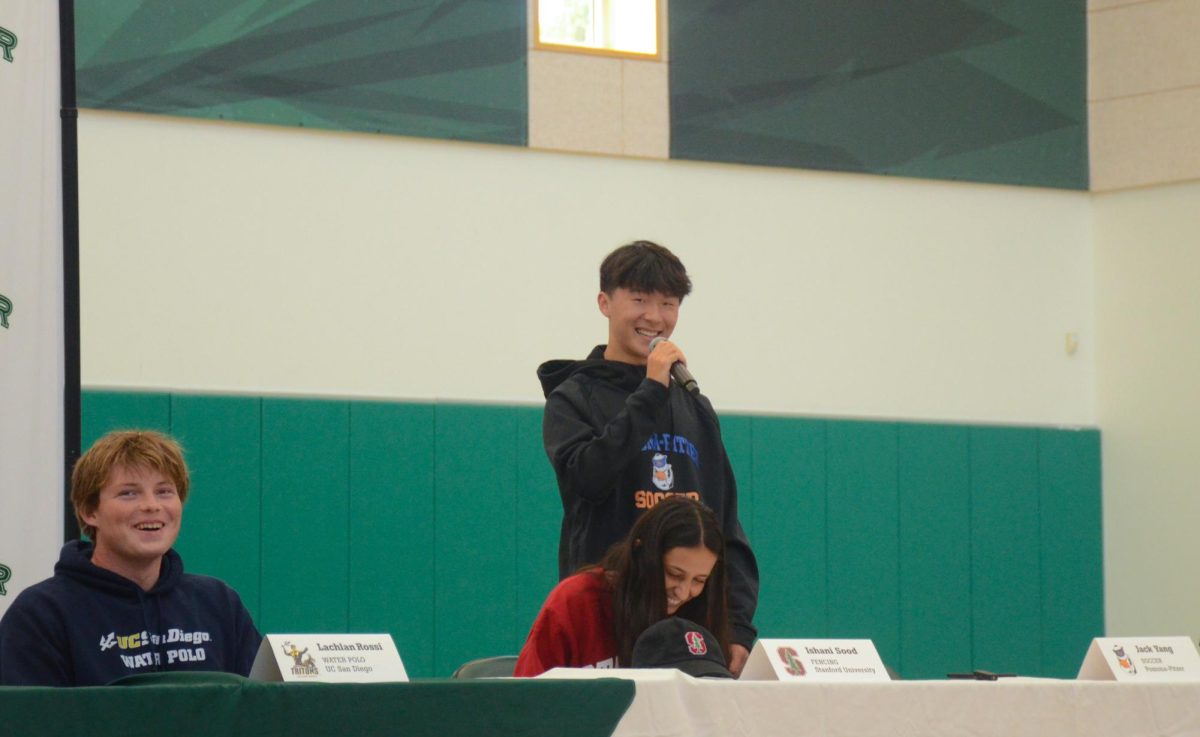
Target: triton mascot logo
x=302, y=665
x=5, y=575
x=695, y=643
x=791, y=661
x=661, y=474
x=5, y=310
x=8, y=42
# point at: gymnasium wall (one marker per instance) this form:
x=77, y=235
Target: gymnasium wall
x=952, y=546
x=316, y=308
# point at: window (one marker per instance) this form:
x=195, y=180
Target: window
x=626, y=27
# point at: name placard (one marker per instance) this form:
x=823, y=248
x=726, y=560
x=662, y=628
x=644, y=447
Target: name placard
x=1141, y=659
x=814, y=660
x=338, y=658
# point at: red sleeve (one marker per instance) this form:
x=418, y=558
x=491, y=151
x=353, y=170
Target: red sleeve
x=547, y=645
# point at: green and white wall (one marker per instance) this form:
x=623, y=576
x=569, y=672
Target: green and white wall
x=343, y=326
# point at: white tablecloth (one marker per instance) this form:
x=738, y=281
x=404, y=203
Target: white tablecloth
x=671, y=704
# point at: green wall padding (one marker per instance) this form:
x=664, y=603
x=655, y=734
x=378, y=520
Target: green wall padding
x=439, y=68
x=934, y=487
x=953, y=547
x=1006, y=607
x=970, y=90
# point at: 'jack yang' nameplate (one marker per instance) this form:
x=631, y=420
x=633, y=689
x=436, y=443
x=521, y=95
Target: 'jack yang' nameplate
x=1141, y=659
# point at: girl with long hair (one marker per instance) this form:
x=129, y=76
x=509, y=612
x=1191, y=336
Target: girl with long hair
x=672, y=563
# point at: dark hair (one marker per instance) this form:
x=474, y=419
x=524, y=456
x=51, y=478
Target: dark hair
x=644, y=267
x=635, y=570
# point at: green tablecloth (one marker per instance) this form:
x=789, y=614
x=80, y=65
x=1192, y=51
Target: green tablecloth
x=220, y=707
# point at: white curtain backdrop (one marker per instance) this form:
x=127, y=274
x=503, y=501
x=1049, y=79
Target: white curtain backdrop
x=31, y=295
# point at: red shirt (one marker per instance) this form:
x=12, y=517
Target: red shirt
x=574, y=629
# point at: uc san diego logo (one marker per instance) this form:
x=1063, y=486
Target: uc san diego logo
x=661, y=473
x=5, y=575
x=302, y=663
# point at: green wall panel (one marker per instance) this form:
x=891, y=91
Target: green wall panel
x=221, y=535
x=951, y=546
x=539, y=518
x=935, y=550
x=305, y=515
x=475, y=549
x=1071, y=544
x=947, y=89
x=790, y=529
x=106, y=411
x=738, y=435
x=442, y=68
x=862, y=528
x=391, y=526
x=1005, y=557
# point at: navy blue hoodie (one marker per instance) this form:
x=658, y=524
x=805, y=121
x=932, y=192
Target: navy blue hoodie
x=87, y=626
x=619, y=443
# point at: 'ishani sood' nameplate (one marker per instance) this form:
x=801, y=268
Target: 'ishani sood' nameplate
x=1141, y=659
x=328, y=659
x=814, y=660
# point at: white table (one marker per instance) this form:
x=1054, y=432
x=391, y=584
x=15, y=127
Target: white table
x=671, y=704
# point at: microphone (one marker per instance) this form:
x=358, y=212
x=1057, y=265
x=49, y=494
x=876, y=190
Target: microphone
x=679, y=372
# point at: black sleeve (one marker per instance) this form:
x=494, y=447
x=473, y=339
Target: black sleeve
x=246, y=637
x=740, y=560
x=743, y=574
x=588, y=451
x=33, y=647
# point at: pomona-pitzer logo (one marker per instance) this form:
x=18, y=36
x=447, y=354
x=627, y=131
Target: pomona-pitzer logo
x=8, y=42
x=5, y=575
x=6, y=308
x=302, y=663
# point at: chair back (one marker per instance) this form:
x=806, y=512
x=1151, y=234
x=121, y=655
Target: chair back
x=500, y=666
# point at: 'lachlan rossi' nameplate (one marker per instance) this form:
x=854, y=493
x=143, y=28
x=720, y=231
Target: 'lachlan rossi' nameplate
x=337, y=658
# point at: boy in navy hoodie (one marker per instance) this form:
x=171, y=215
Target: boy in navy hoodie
x=622, y=435
x=122, y=605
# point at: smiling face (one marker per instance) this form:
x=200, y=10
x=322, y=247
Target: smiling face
x=687, y=571
x=137, y=518
x=634, y=319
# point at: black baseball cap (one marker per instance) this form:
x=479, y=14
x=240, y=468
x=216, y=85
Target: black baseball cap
x=680, y=643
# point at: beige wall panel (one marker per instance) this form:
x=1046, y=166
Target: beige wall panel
x=267, y=259
x=1145, y=140
x=646, y=109
x=1094, y=5
x=575, y=102
x=1148, y=47
x=1148, y=361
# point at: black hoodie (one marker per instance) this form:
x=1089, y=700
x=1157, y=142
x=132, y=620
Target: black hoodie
x=87, y=626
x=619, y=442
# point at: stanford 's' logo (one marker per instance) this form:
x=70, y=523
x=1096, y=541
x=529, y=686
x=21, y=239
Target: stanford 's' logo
x=791, y=661
x=695, y=643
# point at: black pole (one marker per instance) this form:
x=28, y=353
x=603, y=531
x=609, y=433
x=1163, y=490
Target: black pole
x=70, y=184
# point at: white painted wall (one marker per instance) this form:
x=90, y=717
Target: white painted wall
x=226, y=257
x=1148, y=359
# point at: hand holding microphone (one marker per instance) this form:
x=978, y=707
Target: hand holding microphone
x=669, y=354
